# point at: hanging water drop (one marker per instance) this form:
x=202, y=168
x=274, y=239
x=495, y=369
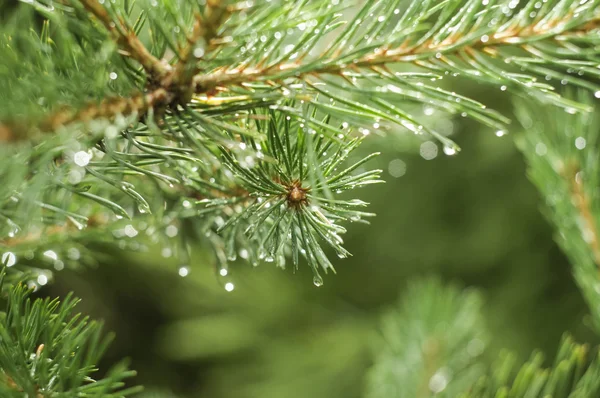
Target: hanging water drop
x=317, y=280
x=449, y=150
x=229, y=286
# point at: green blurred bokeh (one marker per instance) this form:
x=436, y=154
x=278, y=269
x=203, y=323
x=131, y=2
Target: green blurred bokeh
x=472, y=218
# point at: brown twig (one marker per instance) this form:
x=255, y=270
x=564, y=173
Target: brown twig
x=175, y=88
x=108, y=108
x=582, y=204
x=204, y=29
x=128, y=40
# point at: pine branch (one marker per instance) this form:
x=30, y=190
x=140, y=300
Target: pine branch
x=468, y=39
x=433, y=344
x=47, y=351
x=582, y=203
x=574, y=374
x=200, y=133
x=130, y=44
x=205, y=29
x=562, y=154
x=430, y=344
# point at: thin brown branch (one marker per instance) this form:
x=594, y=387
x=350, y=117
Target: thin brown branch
x=582, y=204
x=109, y=108
x=177, y=88
x=127, y=40
x=205, y=29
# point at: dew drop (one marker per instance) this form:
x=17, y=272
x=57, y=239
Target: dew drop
x=73, y=254
x=51, y=254
x=541, y=149
x=448, y=150
x=183, y=271
x=42, y=279
x=318, y=281
x=9, y=259
x=82, y=158
x=171, y=231
x=229, y=286
x=428, y=150
x=397, y=168
x=439, y=381
x=198, y=52
x=130, y=231
x=223, y=272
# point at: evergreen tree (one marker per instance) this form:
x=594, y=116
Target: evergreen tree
x=238, y=125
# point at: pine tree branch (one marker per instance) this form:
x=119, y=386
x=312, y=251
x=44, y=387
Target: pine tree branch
x=127, y=40
x=205, y=28
x=109, y=108
x=175, y=88
x=582, y=204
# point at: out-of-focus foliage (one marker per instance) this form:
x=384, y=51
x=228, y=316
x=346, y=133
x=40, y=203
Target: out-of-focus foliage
x=430, y=343
x=564, y=163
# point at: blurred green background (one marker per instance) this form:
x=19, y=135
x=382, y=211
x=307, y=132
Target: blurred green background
x=472, y=218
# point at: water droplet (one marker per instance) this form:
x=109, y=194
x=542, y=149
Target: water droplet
x=51, y=254
x=439, y=381
x=428, y=150
x=500, y=133
x=503, y=88
x=448, y=150
x=475, y=347
x=130, y=231
x=198, y=52
x=317, y=280
x=397, y=168
x=9, y=259
x=183, y=271
x=223, y=272
x=42, y=279
x=597, y=94
x=541, y=149
x=229, y=286
x=82, y=158
x=113, y=76
x=171, y=231
x=73, y=254
x=580, y=143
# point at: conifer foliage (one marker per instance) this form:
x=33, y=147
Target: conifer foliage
x=236, y=123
